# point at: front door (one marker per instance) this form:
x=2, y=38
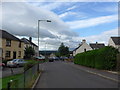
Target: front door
x=14, y=55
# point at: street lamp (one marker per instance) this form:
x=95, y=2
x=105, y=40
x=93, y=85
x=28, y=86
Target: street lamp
x=39, y=33
x=38, y=37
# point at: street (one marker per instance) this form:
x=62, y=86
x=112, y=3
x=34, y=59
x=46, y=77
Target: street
x=59, y=74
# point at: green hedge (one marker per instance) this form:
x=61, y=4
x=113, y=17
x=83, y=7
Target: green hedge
x=104, y=58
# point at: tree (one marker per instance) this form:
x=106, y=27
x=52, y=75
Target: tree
x=63, y=50
x=29, y=52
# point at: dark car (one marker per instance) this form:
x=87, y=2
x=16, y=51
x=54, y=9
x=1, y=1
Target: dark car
x=51, y=59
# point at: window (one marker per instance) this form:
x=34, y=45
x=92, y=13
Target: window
x=7, y=54
x=8, y=42
x=20, y=44
x=19, y=54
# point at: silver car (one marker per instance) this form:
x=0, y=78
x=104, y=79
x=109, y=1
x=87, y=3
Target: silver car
x=16, y=63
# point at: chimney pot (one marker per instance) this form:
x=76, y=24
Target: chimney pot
x=30, y=39
x=83, y=41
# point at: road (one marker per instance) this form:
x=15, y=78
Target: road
x=60, y=74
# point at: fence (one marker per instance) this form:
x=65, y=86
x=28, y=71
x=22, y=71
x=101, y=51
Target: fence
x=26, y=79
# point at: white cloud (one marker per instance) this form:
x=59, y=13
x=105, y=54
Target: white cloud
x=21, y=19
x=62, y=0
x=66, y=14
x=73, y=7
x=101, y=38
x=92, y=22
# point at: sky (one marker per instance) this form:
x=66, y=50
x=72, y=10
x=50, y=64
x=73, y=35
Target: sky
x=70, y=22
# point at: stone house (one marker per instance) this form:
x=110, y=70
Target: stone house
x=12, y=47
x=29, y=43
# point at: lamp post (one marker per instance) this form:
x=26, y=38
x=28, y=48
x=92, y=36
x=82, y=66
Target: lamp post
x=39, y=31
x=38, y=35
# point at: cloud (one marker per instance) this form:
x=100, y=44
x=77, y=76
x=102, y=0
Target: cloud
x=92, y=21
x=21, y=19
x=73, y=7
x=66, y=14
x=62, y=0
x=100, y=38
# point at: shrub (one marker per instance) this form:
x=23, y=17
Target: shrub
x=104, y=58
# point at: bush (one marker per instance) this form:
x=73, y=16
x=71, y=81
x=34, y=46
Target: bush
x=104, y=58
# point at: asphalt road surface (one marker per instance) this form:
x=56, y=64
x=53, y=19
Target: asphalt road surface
x=60, y=74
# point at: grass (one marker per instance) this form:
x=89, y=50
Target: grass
x=5, y=80
x=18, y=81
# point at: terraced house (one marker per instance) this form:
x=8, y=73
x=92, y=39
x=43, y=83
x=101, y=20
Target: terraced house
x=12, y=47
x=29, y=43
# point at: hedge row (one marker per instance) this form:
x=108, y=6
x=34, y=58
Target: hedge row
x=104, y=58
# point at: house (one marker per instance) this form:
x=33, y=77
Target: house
x=12, y=47
x=115, y=42
x=52, y=55
x=97, y=45
x=47, y=52
x=83, y=47
x=29, y=43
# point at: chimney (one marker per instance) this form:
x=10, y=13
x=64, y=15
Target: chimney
x=83, y=41
x=30, y=39
x=96, y=43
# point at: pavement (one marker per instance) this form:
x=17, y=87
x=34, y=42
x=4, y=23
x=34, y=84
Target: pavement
x=8, y=71
x=60, y=74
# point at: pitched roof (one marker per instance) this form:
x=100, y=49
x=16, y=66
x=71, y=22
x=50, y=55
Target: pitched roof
x=116, y=40
x=97, y=45
x=26, y=41
x=77, y=47
x=9, y=36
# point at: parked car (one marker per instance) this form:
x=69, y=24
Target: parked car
x=16, y=63
x=40, y=58
x=51, y=59
x=2, y=65
x=56, y=58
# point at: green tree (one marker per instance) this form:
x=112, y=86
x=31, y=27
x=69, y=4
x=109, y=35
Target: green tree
x=29, y=52
x=63, y=50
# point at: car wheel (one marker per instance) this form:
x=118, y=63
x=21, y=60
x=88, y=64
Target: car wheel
x=17, y=65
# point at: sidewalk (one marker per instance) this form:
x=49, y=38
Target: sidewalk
x=103, y=73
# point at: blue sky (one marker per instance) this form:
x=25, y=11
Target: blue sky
x=71, y=21
x=87, y=10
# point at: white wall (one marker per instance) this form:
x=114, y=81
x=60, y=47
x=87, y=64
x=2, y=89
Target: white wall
x=111, y=43
x=81, y=48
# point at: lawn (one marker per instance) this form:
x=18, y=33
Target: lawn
x=5, y=80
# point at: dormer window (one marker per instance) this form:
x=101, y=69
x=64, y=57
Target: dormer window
x=8, y=43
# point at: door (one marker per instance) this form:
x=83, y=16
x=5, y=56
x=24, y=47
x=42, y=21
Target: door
x=14, y=55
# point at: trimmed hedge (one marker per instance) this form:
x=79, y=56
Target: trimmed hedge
x=104, y=58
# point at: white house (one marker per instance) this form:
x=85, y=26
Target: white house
x=83, y=47
x=115, y=42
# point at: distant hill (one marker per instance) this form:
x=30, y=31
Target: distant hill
x=47, y=52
